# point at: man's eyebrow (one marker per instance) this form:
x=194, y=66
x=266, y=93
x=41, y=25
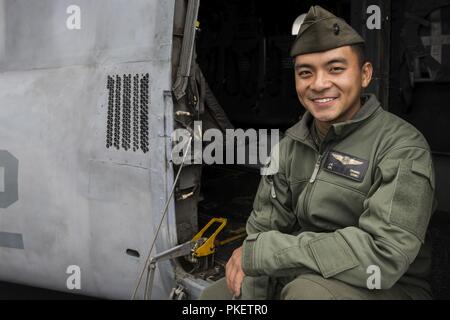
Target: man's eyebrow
x=310, y=66
x=337, y=60
x=303, y=65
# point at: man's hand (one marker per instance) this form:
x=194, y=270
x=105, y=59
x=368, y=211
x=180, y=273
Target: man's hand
x=234, y=273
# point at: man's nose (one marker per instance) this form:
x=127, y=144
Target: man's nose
x=320, y=82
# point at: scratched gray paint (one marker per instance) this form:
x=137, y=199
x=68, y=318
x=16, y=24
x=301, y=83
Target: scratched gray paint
x=80, y=203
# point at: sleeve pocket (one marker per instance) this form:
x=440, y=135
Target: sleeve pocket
x=413, y=198
x=426, y=172
x=333, y=255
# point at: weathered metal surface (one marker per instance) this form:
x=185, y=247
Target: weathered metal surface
x=80, y=202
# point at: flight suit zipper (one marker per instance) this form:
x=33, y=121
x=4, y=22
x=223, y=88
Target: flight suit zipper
x=316, y=169
x=312, y=179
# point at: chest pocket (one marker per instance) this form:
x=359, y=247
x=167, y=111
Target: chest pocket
x=340, y=189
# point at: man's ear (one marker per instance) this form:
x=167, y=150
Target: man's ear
x=367, y=70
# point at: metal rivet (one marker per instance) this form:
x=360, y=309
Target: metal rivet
x=336, y=29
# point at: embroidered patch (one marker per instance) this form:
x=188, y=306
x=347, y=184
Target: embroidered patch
x=346, y=165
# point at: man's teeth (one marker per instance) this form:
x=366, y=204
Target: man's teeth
x=324, y=100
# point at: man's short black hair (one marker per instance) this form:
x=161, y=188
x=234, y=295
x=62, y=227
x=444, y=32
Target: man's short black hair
x=360, y=51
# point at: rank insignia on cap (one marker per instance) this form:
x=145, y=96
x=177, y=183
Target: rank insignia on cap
x=336, y=29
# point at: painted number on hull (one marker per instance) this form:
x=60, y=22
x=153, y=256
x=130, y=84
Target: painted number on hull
x=9, y=168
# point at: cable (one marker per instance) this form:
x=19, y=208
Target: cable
x=164, y=212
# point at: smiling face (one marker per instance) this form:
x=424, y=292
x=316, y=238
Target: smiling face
x=329, y=83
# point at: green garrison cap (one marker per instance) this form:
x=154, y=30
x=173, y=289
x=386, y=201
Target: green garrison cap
x=321, y=31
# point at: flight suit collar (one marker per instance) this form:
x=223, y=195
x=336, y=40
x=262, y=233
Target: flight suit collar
x=338, y=131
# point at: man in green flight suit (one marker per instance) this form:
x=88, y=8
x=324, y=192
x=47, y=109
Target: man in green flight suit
x=346, y=214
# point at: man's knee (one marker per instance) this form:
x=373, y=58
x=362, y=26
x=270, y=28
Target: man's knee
x=303, y=288
x=217, y=291
x=253, y=288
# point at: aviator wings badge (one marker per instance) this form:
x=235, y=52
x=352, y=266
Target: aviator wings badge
x=346, y=160
x=346, y=165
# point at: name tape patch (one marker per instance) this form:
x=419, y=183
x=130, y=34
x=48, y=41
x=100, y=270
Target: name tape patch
x=346, y=165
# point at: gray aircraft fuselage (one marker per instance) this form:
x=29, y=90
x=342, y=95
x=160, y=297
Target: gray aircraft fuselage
x=85, y=125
